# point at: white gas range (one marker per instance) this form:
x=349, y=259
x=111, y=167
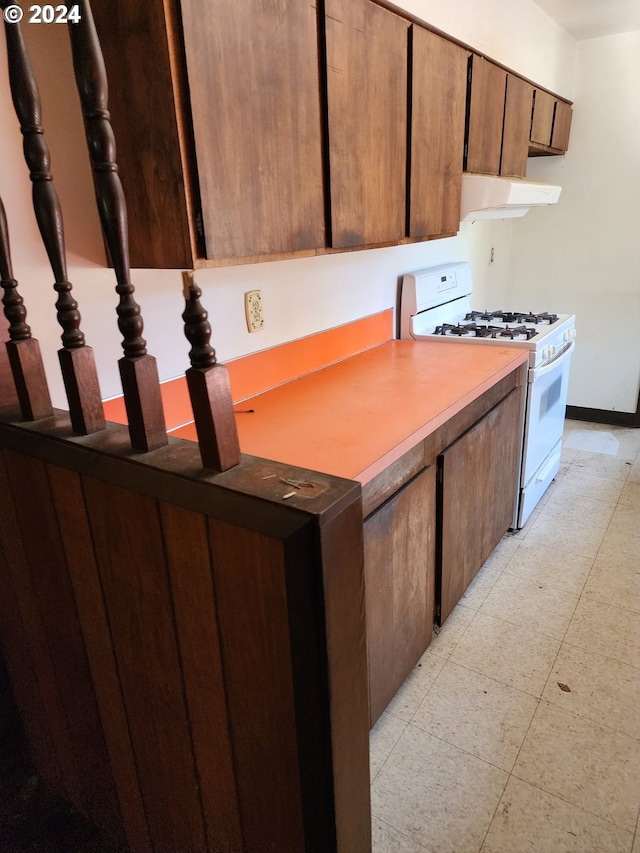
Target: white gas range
x=435, y=304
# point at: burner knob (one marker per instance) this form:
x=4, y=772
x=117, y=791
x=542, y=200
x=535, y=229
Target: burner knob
x=567, y=335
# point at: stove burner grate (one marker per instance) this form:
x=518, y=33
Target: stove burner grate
x=540, y=318
x=474, y=330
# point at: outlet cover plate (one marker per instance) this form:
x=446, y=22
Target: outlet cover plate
x=253, y=310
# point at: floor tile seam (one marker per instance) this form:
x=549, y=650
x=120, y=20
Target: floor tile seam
x=457, y=642
x=588, y=521
x=570, y=803
x=601, y=600
x=611, y=657
x=406, y=725
x=495, y=811
x=590, y=719
x=551, y=705
x=428, y=691
x=549, y=583
x=403, y=834
x=573, y=527
x=504, y=683
x=535, y=713
x=484, y=675
x=578, y=468
x=459, y=748
x=533, y=630
x=637, y=829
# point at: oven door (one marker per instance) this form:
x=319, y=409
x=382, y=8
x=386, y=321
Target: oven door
x=546, y=405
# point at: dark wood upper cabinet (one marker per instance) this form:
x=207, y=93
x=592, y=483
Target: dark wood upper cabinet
x=217, y=117
x=253, y=129
x=487, y=84
x=561, y=126
x=517, y=127
x=254, y=81
x=550, y=124
x=438, y=100
x=542, y=123
x=367, y=121
x=146, y=114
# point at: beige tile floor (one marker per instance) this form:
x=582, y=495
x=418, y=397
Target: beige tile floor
x=519, y=730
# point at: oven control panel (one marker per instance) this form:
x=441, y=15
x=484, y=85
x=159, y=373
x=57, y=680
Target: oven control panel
x=448, y=281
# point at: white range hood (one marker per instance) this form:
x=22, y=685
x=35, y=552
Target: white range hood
x=488, y=197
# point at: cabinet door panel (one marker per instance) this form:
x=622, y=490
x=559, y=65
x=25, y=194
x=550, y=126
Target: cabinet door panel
x=367, y=112
x=479, y=483
x=486, y=113
x=254, y=87
x=561, y=126
x=146, y=125
x=517, y=127
x=399, y=560
x=438, y=96
x=543, y=105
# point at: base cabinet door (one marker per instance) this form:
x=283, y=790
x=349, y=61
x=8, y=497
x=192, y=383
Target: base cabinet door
x=399, y=559
x=477, y=487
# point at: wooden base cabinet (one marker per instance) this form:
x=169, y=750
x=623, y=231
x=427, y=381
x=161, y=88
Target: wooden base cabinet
x=477, y=485
x=399, y=558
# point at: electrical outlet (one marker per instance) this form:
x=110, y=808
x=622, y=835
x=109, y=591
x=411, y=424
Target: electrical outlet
x=253, y=310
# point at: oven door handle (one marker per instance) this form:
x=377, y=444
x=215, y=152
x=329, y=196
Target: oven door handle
x=539, y=372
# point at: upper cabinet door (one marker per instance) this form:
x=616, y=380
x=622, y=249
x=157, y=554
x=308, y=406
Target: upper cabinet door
x=486, y=113
x=517, y=127
x=254, y=88
x=367, y=115
x=561, y=126
x=438, y=102
x=542, y=123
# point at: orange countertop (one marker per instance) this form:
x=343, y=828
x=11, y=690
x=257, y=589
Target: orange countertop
x=354, y=418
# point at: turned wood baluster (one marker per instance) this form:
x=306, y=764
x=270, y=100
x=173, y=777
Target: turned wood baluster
x=138, y=369
x=23, y=350
x=77, y=361
x=209, y=387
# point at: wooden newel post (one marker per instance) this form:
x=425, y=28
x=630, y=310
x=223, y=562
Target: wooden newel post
x=138, y=369
x=77, y=361
x=209, y=387
x=23, y=350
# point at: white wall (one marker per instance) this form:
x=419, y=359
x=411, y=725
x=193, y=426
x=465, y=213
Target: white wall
x=584, y=255
x=301, y=296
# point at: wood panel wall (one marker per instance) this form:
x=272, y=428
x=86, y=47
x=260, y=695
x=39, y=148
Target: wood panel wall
x=187, y=650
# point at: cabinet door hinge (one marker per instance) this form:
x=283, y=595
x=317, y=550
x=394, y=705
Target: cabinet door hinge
x=198, y=223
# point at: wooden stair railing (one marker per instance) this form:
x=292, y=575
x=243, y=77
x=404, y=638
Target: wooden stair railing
x=138, y=369
x=209, y=387
x=23, y=350
x=77, y=361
